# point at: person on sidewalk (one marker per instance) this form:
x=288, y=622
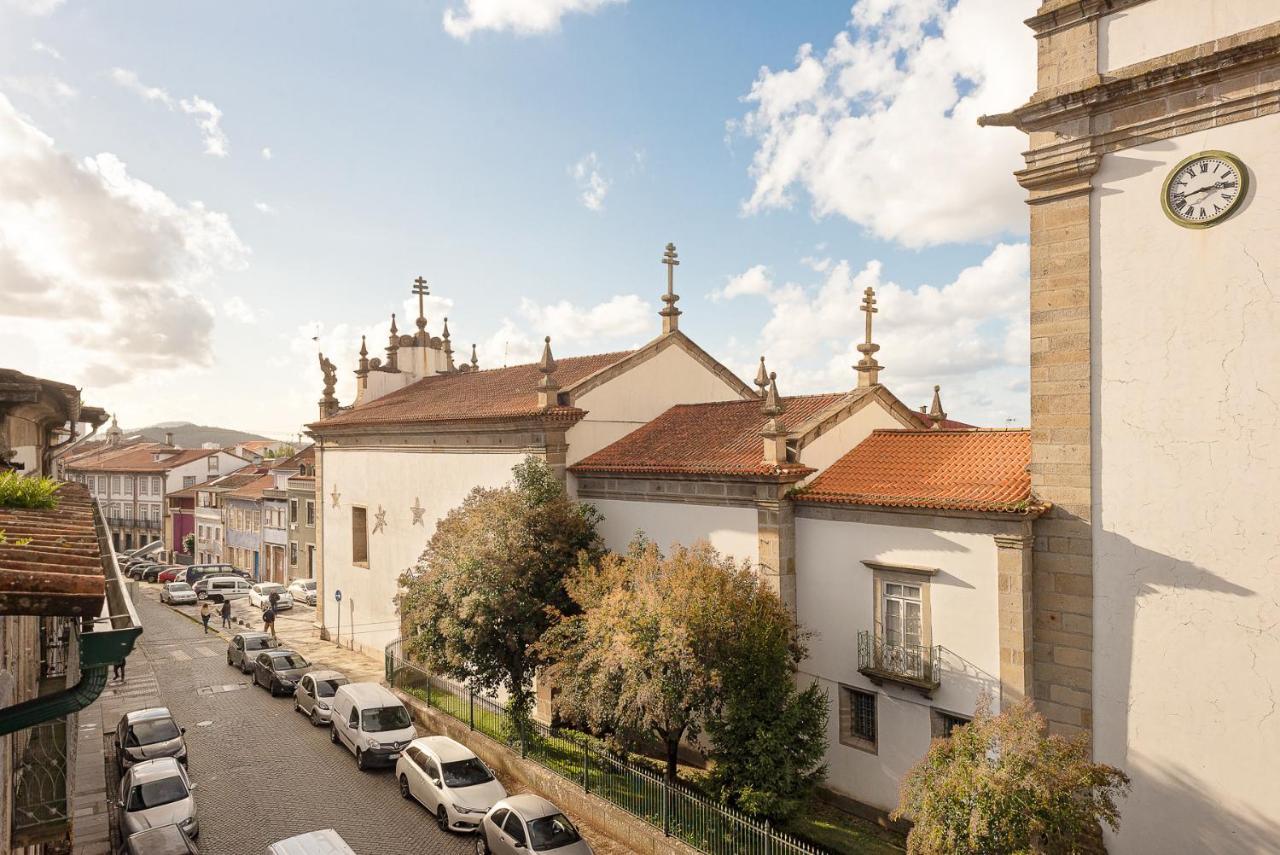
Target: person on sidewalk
x=226, y=614
x=205, y=614
x=117, y=671
x=269, y=621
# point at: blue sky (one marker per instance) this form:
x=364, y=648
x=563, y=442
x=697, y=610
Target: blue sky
x=789, y=177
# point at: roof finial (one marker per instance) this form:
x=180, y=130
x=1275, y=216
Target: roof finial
x=762, y=378
x=775, y=436
x=114, y=433
x=448, y=349
x=868, y=369
x=364, y=358
x=475, y=363
x=393, y=346
x=422, y=289
x=670, y=314
x=547, y=386
x=937, y=415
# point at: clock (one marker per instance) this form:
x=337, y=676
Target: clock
x=1204, y=189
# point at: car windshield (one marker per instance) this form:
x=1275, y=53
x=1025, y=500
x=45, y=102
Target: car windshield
x=178, y=587
x=465, y=773
x=289, y=660
x=378, y=719
x=149, y=732
x=271, y=589
x=552, y=832
x=328, y=688
x=156, y=793
x=257, y=643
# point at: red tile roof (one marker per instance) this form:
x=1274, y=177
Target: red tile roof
x=970, y=470
x=59, y=571
x=466, y=396
x=253, y=489
x=139, y=458
x=720, y=438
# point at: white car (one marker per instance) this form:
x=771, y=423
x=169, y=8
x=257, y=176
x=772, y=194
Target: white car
x=326, y=842
x=448, y=780
x=528, y=823
x=178, y=594
x=314, y=695
x=371, y=722
x=303, y=591
x=260, y=596
x=155, y=793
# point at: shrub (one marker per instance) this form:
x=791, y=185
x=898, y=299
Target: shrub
x=19, y=492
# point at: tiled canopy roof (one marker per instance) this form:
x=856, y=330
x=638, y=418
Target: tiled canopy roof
x=59, y=571
x=494, y=394
x=138, y=458
x=970, y=470
x=706, y=439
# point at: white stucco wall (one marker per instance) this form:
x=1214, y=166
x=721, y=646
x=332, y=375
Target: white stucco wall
x=1158, y=27
x=841, y=439
x=732, y=531
x=626, y=402
x=836, y=598
x=390, y=480
x=1186, y=407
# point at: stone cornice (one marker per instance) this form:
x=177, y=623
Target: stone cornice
x=557, y=419
x=1056, y=15
x=967, y=521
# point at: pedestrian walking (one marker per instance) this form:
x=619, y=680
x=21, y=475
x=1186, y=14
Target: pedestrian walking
x=226, y=614
x=117, y=671
x=269, y=621
x=205, y=614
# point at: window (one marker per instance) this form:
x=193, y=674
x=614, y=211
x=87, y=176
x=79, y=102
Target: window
x=144, y=486
x=213, y=463
x=902, y=614
x=311, y=513
x=293, y=553
x=293, y=510
x=942, y=723
x=188, y=481
x=858, y=719
x=115, y=484
x=128, y=484
x=359, y=537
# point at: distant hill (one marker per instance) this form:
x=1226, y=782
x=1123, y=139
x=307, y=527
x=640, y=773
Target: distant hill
x=187, y=435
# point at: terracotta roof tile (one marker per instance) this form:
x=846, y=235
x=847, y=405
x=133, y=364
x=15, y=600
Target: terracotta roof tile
x=253, y=489
x=971, y=470
x=139, y=458
x=720, y=438
x=59, y=571
x=494, y=394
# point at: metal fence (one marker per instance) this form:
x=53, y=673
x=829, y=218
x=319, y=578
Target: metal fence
x=677, y=811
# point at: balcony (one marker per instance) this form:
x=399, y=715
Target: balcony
x=909, y=665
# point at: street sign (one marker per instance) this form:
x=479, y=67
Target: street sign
x=337, y=594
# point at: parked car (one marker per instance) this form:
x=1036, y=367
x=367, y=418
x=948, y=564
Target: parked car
x=260, y=596
x=242, y=648
x=196, y=572
x=303, y=591
x=326, y=842
x=165, y=840
x=371, y=722
x=278, y=671
x=447, y=779
x=215, y=589
x=152, y=573
x=157, y=792
x=177, y=594
x=136, y=570
x=148, y=734
x=524, y=823
x=171, y=573
x=314, y=695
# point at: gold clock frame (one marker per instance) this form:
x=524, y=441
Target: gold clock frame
x=1223, y=155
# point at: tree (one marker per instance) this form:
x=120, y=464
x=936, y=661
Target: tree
x=1001, y=785
x=189, y=544
x=492, y=580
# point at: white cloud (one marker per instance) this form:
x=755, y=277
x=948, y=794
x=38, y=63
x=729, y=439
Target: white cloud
x=103, y=270
x=237, y=309
x=522, y=17
x=207, y=115
x=47, y=89
x=616, y=324
x=969, y=335
x=264, y=208
x=592, y=184
x=882, y=128
x=754, y=280
x=266, y=153
x=33, y=7
x=49, y=50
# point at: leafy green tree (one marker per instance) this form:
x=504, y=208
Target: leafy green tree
x=1001, y=785
x=492, y=580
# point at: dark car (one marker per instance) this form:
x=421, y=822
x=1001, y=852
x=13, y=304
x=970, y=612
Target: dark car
x=162, y=840
x=149, y=734
x=278, y=671
x=153, y=571
x=242, y=649
x=136, y=571
x=196, y=572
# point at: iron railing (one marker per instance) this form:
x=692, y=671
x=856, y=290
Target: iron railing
x=40, y=803
x=915, y=665
x=678, y=812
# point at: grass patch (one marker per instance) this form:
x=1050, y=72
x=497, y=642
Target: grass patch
x=19, y=492
x=844, y=833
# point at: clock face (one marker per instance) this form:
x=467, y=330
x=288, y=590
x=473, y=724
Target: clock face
x=1204, y=189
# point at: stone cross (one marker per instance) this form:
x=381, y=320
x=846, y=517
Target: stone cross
x=422, y=289
x=670, y=314
x=868, y=369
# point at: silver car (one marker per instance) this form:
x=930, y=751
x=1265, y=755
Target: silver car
x=527, y=823
x=303, y=591
x=154, y=793
x=178, y=594
x=148, y=734
x=314, y=695
x=244, y=647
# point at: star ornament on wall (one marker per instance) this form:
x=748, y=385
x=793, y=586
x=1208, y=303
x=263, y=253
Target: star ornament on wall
x=417, y=510
x=335, y=495
x=379, y=520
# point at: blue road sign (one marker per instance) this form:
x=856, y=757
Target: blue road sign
x=337, y=594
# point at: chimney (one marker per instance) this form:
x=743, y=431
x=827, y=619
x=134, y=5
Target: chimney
x=168, y=438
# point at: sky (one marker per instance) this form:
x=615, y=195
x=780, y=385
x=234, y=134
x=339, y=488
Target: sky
x=195, y=198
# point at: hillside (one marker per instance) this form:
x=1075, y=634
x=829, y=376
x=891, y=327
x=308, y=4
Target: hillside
x=187, y=435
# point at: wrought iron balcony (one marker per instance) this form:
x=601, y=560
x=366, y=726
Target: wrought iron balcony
x=40, y=804
x=911, y=665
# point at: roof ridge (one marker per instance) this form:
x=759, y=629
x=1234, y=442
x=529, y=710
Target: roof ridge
x=951, y=431
x=756, y=401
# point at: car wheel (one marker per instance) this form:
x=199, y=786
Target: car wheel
x=404, y=788
x=315, y=719
x=297, y=707
x=229, y=662
x=333, y=734
x=482, y=845
x=201, y=595
x=442, y=818
x=361, y=763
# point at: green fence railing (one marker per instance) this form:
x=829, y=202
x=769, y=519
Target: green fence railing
x=688, y=816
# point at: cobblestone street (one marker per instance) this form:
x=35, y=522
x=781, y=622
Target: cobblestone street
x=262, y=771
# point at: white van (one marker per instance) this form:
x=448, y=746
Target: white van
x=326, y=842
x=371, y=722
x=215, y=589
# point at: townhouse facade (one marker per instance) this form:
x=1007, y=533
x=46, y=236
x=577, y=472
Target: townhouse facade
x=301, y=493
x=210, y=515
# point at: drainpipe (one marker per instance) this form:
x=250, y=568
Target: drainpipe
x=102, y=642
